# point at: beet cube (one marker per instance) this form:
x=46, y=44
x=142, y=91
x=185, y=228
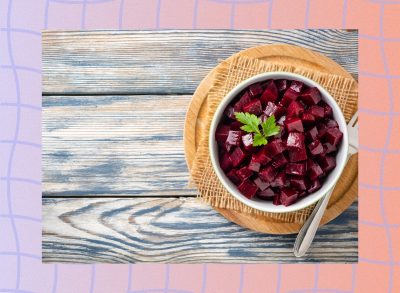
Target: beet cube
x=298, y=183
x=279, y=161
x=237, y=156
x=277, y=200
x=262, y=185
x=279, y=180
x=312, y=134
x=261, y=158
x=308, y=119
x=296, y=86
x=328, y=112
x=225, y=162
x=230, y=113
x=297, y=154
x=244, y=173
x=330, y=123
x=273, y=109
x=266, y=194
x=235, y=125
x=333, y=136
x=295, y=140
x=292, y=93
x=295, y=109
x=248, y=189
x=321, y=129
x=234, y=177
x=234, y=137
x=288, y=196
x=281, y=133
x=245, y=99
x=316, y=147
x=267, y=174
x=283, y=84
x=247, y=141
x=314, y=170
x=329, y=148
x=270, y=93
x=317, y=112
x=296, y=169
x=274, y=147
x=221, y=134
x=254, y=165
x=327, y=163
x=311, y=96
x=294, y=124
x=255, y=90
x=253, y=107
x=314, y=186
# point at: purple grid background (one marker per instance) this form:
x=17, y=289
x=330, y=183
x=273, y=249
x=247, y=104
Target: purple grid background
x=20, y=147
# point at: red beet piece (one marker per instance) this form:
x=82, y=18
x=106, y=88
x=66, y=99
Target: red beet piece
x=312, y=134
x=316, y=147
x=281, y=133
x=321, y=129
x=317, y=112
x=327, y=163
x=333, y=136
x=247, y=141
x=294, y=124
x=296, y=169
x=261, y=158
x=237, y=156
x=277, y=200
x=329, y=148
x=279, y=161
x=274, y=147
x=328, y=112
x=267, y=174
x=311, y=96
x=234, y=137
x=308, y=119
x=297, y=154
x=248, y=189
x=295, y=109
x=313, y=170
x=234, y=177
x=279, y=180
x=266, y=194
x=255, y=90
x=225, y=162
x=262, y=185
x=330, y=123
x=270, y=93
x=283, y=85
x=253, y=107
x=298, y=183
x=295, y=140
x=254, y=165
x=292, y=93
x=244, y=173
x=230, y=113
x=245, y=99
x=273, y=109
x=288, y=196
x=314, y=186
x=221, y=134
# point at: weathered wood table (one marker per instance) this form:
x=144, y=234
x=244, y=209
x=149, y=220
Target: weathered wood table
x=114, y=173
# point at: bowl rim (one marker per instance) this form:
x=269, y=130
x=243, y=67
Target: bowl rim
x=310, y=199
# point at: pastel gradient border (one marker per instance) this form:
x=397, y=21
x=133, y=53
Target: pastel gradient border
x=21, y=22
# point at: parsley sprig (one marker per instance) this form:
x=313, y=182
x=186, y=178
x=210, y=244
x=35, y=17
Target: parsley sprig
x=261, y=130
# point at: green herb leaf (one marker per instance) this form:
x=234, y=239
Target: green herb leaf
x=259, y=140
x=269, y=127
x=251, y=121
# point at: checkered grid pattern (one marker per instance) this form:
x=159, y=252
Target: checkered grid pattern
x=20, y=144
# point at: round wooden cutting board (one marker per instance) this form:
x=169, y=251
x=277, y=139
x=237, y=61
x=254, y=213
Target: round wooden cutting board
x=346, y=190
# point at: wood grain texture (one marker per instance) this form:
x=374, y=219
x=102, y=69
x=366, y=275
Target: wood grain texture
x=175, y=230
x=114, y=145
x=167, y=62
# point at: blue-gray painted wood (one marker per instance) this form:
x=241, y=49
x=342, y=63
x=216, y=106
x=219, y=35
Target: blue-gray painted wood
x=176, y=230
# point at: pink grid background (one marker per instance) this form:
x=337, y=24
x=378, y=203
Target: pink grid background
x=21, y=21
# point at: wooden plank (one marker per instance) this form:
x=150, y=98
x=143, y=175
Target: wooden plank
x=175, y=230
x=114, y=145
x=154, y=62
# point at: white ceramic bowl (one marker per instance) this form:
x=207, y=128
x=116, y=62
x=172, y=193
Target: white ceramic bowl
x=331, y=179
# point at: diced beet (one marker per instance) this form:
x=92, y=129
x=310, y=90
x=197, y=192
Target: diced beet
x=294, y=124
x=327, y=163
x=274, y=147
x=234, y=177
x=277, y=200
x=270, y=93
x=298, y=183
x=262, y=185
x=312, y=134
x=316, y=147
x=308, y=119
x=281, y=133
x=247, y=141
x=266, y=194
x=330, y=123
x=225, y=162
x=283, y=84
x=311, y=96
x=279, y=180
x=295, y=140
x=297, y=154
x=254, y=165
x=253, y=107
x=314, y=186
x=267, y=174
x=234, y=137
x=313, y=170
x=295, y=109
x=235, y=125
x=279, y=161
x=230, y=113
x=248, y=188
x=288, y=196
x=292, y=93
x=238, y=107
x=333, y=136
x=328, y=112
x=329, y=148
x=221, y=134
x=317, y=112
x=244, y=173
x=296, y=86
x=273, y=109
x=261, y=158
x=255, y=90
x=296, y=169
x=237, y=156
